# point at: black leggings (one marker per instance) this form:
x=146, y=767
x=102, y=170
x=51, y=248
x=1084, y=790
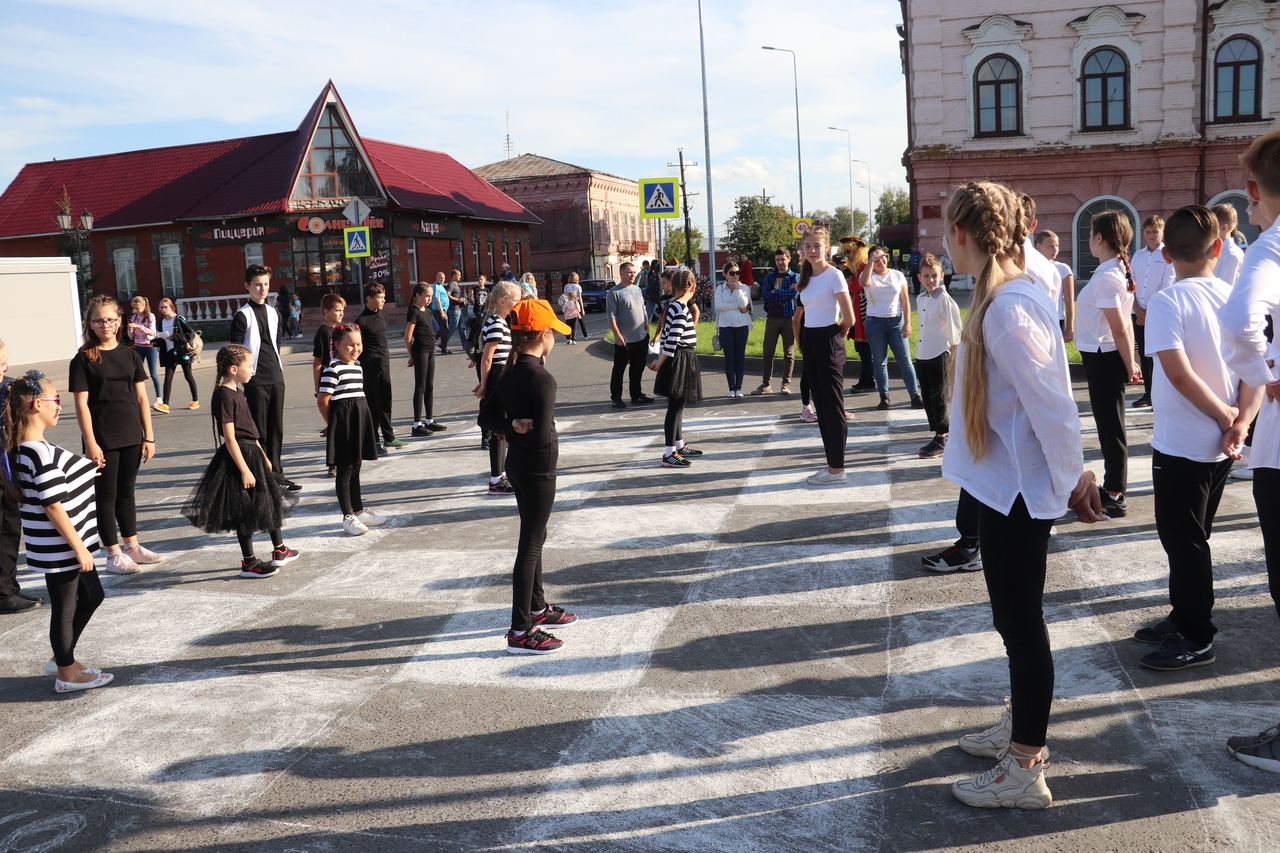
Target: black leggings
x=1015, y=551
x=245, y=538
x=114, y=490
x=424, y=380
x=186, y=373
x=73, y=596
x=824, y=357
x=535, y=493
x=672, y=429
x=1266, y=494
x=805, y=397
x=347, y=483
x=582, y=324
x=1107, y=380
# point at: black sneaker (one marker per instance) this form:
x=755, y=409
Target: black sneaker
x=419, y=432
x=436, y=426
x=675, y=460
x=1143, y=402
x=884, y=403
x=252, y=567
x=689, y=452
x=1176, y=652
x=618, y=404
x=917, y=402
x=17, y=604
x=642, y=400
x=502, y=487
x=283, y=556
x=534, y=642
x=954, y=559
x=554, y=615
x=1157, y=632
x=934, y=449
x=1262, y=752
x=333, y=470
x=1113, y=507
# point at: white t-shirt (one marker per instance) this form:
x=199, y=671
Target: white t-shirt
x=819, y=298
x=573, y=290
x=1185, y=317
x=884, y=294
x=1064, y=272
x=1255, y=297
x=1108, y=288
x=1042, y=270
x=1229, y=262
x=1151, y=274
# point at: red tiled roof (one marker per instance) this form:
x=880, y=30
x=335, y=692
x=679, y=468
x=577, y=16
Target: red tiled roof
x=432, y=180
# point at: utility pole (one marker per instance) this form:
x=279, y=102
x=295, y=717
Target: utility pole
x=684, y=196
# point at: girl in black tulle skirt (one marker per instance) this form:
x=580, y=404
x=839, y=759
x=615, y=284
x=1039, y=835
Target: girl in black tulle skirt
x=679, y=379
x=237, y=491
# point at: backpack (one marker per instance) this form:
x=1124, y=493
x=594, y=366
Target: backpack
x=187, y=342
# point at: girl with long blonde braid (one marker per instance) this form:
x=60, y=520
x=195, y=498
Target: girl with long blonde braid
x=1015, y=447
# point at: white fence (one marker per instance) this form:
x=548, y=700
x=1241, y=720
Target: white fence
x=203, y=309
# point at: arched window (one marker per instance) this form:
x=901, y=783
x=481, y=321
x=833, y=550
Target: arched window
x=997, y=100
x=1106, y=91
x=1085, y=262
x=1237, y=68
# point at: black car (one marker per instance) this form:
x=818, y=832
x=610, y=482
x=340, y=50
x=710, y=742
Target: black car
x=593, y=290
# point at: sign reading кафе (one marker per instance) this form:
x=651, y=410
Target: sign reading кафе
x=440, y=227
x=207, y=234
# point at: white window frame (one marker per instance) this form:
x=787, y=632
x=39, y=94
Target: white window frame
x=171, y=270
x=1106, y=26
x=997, y=34
x=126, y=262
x=1243, y=18
x=411, y=255
x=253, y=255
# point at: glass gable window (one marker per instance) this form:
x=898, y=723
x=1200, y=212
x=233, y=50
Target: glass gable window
x=1106, y=91
x=1236, y=69
x=998, y=98
x=333, y=168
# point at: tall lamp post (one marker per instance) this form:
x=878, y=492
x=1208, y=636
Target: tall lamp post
x=78, y=233
x=868, y=165
x=849, y=142
x=795, y=81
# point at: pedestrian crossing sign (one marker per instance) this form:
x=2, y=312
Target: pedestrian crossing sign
x=356, y=242
x=659, y=198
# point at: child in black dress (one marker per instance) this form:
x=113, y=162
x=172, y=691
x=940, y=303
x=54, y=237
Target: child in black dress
x=237, y=491
x=350, y=433
x=523, y=408
x=677, y=367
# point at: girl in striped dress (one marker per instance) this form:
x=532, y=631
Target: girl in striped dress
x=59, y=522
x=496, y=337
x=350, y=434
x=677, y=368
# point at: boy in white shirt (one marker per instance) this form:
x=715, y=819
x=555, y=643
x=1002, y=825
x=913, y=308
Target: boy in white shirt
x=1232, y=257
x=1196, y=400
x=939, y=319
x=1151, y=274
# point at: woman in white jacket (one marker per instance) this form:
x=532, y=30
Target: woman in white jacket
x=733, y=324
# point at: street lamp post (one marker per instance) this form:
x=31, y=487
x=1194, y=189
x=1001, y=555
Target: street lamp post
x=848, y=141
x=795, y=81
x=79, y=232
x=868, y=165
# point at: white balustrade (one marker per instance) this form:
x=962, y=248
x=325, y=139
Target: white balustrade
x=204, y=309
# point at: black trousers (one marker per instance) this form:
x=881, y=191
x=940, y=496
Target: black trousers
x=1266, y=494
x=1140, y=346
x=73, y=596
x=866, y=371
x=535, y=494
x=1015, y=551
x=347, y=484
x=377, y=389
x=582, y=324
x=1186, y=499
x=114, y=494
x=10, y=538
x=673, y=426
x=186, y=374
x=824, y=356
x=631, y=358
x=245, y=538
x=968, y=513
x=266, y=407
x=424, y=381
x=1107, y=380
x=932, y=373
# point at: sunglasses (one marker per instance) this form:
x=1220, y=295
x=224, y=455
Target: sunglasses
x=733, y=273
x=56, y=399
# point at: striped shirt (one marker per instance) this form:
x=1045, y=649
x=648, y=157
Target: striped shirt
x=342, y=381
x=496, y=330
x=47, y=474
x=679, y=331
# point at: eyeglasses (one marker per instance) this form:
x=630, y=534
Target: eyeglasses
x=733, y=273
x=105, y=321
x=56, y=399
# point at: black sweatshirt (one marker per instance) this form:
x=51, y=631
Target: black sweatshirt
x=528, y=390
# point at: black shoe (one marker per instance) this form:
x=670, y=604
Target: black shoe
x=917, y=402
x=16, y=604
x=1143, y=402
x=642, y=400
x=1157, y=632
x=1177, y=652
x=934, y=449
x=954, y=559
x=436, y=426
x=618, y=404
x=291, y=486
x=884, y=403
x=1113, y=507
x=37, y=599
x=333, y=470
x=484, y=443
x=419, y=432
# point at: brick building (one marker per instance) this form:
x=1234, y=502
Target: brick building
x=185, y=221
x=1086, y=107
x=590, y=220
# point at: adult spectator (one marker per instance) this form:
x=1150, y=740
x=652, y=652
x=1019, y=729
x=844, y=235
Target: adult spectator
x=913, y=269
x=624, y=306
x=733, y=324
x=573, y=293
x=507, y=274
x=746, y=272
x=779, y=294
x=652, y=289
x=455, y=310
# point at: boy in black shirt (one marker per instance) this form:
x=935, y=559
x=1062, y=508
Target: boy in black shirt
x=376, y=361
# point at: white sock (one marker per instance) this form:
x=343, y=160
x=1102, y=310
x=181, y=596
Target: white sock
x=428, y=422
x=493, y=481
x=670, y=449
x=680, y=444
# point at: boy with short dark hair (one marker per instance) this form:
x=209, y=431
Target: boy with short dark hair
x=376, y=361
x=332, y=308
x=1196, y=400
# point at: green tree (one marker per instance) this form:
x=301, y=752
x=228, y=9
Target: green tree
x=894, y=207
x=675, y=243
x=757, y=228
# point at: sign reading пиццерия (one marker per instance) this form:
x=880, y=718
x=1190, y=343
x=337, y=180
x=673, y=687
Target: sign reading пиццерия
x=659, y=198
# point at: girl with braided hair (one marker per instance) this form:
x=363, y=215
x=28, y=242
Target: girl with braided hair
x=1015, y=447
x=1104, y=337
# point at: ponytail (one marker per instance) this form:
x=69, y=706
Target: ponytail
x=806, y=272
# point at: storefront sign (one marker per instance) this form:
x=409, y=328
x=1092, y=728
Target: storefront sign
x=318, y=225
x=206, y=234
x=440, y=227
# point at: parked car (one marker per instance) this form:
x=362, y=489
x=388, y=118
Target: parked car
x=593, y=290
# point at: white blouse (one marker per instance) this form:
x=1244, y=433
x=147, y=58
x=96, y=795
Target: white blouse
x=728, y=301
x=1255, y=297
x=1108, y=288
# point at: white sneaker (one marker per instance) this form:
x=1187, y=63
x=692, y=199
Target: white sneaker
x=825, y=478
x=119, y=563
x=1006, y=786
x=353, y=526
x=994, y=742
x=369, y=518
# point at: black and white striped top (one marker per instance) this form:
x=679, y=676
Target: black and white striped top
x=47, y=474
x=679, y=331
x=495, y=329
x=343, y=381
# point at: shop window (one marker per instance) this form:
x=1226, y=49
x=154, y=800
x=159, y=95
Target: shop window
x=519, y=256
x=1237, y=68
x=997, y=98
x=126, y=273
x=171, y=270
x=333, y=167
x=1085, y=262
x=492, y=269
x=253, y=255
x=411, y=250
x=1105, y=85
x=475, y=255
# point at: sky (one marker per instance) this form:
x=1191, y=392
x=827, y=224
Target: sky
x=611, y=86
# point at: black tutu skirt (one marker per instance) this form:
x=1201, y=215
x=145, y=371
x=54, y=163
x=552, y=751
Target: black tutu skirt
x=679, y=376
x=351, y=436
x=220, y=503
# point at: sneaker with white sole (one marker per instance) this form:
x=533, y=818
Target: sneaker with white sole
x=120, y=563
x=283, y=556
x=1008, y=785
x=369, y=518
x=253, y=568
x=535, y=642
x=808, y=415
x=1262, y=752
x=954, y=559
x=993, y=742
x=141, y=555
x=826, y=478
x=161, y=407
x=353, y=526
x=1177, y=652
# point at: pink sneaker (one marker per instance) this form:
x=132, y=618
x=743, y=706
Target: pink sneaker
x=142, y=556
x=808, y=416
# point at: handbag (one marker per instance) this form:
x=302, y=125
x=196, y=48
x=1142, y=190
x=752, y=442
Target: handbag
x=715, y=342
